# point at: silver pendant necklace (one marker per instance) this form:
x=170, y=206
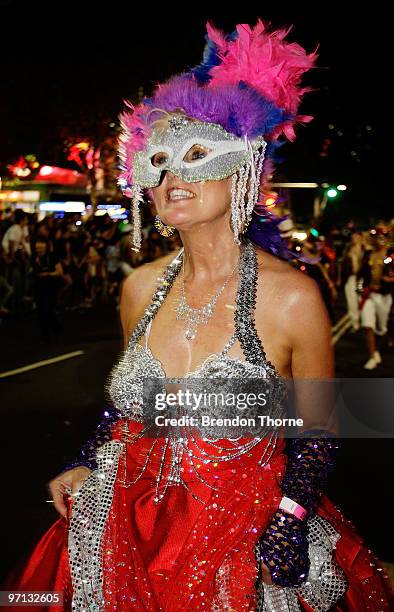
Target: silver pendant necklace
x=197, y=316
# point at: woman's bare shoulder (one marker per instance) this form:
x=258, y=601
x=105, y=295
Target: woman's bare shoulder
x=289, y=302
x=145, y=277
x=282, y=277
x=286, y=295
x=137, y=289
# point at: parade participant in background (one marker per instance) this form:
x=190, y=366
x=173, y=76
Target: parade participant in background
x=376, y=299
x=351, y=266
x=388, y=281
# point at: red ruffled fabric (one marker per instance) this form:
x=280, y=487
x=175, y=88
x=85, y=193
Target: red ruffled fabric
x=46, y=570
x=369, y=585
x=182, y=554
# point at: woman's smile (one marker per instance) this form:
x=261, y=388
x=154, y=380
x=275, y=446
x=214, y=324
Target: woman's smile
x=176, y=194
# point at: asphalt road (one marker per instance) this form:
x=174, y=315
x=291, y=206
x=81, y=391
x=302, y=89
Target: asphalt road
x=49, y=411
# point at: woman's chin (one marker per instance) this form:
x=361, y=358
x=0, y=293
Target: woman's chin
x=178, y=219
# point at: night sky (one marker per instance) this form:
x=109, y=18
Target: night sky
x=68, y=66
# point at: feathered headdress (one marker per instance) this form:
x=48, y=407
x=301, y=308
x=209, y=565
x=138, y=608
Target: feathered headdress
x=248, y=82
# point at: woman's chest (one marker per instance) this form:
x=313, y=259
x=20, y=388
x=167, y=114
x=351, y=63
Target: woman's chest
x=167, y=336
x=226, y=332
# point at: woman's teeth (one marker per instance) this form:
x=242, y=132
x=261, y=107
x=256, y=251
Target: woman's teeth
x=179, y=194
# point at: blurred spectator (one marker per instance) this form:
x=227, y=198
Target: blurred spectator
x=95, y=272
x=80, y=270
x=351, y=265
x=376, y=299
x=67, y=293
x=114, y=270
x=16, y=238
x=5, y=287
x=388, y=284
x=17, y=252
x=125, y=252
x=315, y=258
x=47, y=273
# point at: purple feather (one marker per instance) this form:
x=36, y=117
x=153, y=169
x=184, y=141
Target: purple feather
x=263, y=230
x=240, y=110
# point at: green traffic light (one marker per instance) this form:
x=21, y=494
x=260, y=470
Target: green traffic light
x=332, y=193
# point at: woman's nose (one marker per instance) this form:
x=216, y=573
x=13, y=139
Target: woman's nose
x=165, y=176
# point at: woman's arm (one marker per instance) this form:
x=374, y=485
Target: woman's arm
x=284, y=547
x=101, y=435
x=308, y=328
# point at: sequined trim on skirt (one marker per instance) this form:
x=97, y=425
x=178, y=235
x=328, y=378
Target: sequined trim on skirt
x=89, y=516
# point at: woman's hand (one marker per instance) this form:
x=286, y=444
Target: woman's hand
x=68, y=482
x=265, y=574
x=284, y=551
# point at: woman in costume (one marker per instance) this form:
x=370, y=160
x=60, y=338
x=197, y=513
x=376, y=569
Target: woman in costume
x=201, y=523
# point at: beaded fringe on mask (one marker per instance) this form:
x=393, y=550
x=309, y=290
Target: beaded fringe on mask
x=137, y=198
x=245, y=193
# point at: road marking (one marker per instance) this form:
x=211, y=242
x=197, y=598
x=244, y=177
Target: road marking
x=341, y=322
x=340, y=333
x=40, y=364
x=340, y=328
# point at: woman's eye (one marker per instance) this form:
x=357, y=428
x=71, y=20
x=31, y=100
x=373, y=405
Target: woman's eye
x=159, y=159
x=196, y=152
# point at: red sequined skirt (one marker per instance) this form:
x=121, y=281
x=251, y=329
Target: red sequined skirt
x=181, y=554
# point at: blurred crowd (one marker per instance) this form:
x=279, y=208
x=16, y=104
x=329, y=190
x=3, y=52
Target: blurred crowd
x=369, y=289
x=353, y=268
x=76, y=262
x=68, y=264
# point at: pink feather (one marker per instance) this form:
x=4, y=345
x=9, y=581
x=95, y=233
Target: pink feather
x=133, y=136
x=264, y=61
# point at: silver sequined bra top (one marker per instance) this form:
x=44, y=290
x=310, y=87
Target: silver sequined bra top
x=125, y=382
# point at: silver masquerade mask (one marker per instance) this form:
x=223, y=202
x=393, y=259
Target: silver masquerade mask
x=193, y=151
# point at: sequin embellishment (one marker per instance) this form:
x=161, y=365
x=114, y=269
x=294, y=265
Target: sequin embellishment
x=89, y=515
x=326, y=581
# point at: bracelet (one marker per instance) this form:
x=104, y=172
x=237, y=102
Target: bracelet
x=290, y=506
